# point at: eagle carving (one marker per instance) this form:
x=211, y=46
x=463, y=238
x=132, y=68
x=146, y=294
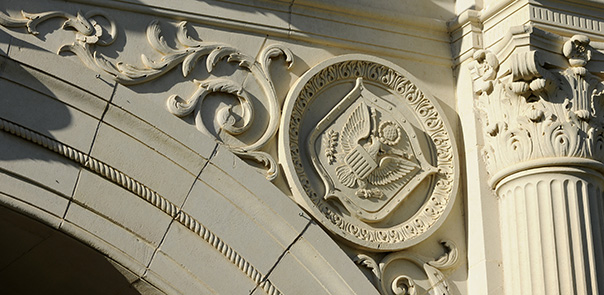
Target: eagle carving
x=369, y=155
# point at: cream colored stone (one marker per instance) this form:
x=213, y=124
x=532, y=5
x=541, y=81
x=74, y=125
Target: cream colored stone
x=369, y=35
x=195, y=255
x=31, y=198
x=109, y=238
x=138, y=106
x=71, y=119
x=548, y=247
x=40, y=54
x=143, y=163
x=281, y=220
x=237, y=225
x=283, y=214
x=5, y=40
x=157, y=140
x=122, y=207
x=351, y=170
x=144, y=287
x=175, y=278
x=39, y=167
x=333, y=272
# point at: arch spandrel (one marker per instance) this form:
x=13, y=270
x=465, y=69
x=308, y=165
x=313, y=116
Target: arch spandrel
x=128, y=196
x=182, y=122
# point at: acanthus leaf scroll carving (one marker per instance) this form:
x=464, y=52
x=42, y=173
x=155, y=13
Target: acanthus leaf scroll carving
x=389, y=277
x=537, y=111
x=89, y=33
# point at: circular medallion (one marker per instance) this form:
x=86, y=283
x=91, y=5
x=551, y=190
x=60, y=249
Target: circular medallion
x=367, y=153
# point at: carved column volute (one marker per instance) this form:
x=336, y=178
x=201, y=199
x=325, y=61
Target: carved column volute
x=533, y=112
x=543, y=148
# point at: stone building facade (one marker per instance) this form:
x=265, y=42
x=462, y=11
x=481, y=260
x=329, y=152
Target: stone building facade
x=302, y=147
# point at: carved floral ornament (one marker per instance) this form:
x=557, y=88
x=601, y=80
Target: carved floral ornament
x=387, y=275
x=367, y=153
x=538, y=115
x=233, y=120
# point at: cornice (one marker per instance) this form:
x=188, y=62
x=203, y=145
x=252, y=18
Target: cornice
x=279, y=19
x=384, y=16
x=565, y=17
x=489, y=28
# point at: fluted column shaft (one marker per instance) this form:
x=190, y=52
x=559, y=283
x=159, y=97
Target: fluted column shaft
x=551, y=222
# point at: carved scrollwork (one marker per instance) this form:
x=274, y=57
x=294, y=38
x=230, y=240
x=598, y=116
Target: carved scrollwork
x=536, y=110
x=388, y=278
x=88, y=31
x=187, y=53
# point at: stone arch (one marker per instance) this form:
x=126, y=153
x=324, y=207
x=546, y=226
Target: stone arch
x=176, y=211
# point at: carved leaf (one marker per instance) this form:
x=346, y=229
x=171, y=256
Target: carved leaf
x=156, y=40
x=449, y=258
x=263, y=158
x=403, y=285
x=80, y=24
x=366, y=261
x=272, y=51
x=244, y=61
x=8, y=21
x=357, y=127
x=188, y=64
x=216, y=55
x=437, y=280
x=182, y=35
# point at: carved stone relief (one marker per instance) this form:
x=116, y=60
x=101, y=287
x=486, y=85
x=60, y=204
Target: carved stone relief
x=368, y=153
x=536, y=111
x=233, y=120
x=389, y=273
x=544, y=150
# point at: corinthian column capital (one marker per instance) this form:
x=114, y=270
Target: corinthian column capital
x=537, y=114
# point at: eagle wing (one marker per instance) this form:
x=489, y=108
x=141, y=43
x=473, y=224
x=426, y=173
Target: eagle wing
x=357, y=127
x=390, y=170
x=346, y=176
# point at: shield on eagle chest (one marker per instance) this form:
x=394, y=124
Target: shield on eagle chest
x=363, y=150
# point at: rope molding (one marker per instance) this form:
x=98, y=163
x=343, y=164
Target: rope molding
x=146, y=194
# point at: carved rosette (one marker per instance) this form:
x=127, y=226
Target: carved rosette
x=367, y=153
x=535, y=112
